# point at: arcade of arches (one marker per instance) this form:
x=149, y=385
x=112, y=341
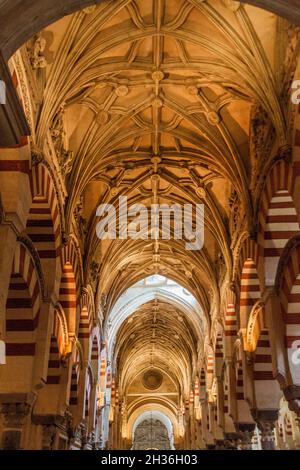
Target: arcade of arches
x=120, y=344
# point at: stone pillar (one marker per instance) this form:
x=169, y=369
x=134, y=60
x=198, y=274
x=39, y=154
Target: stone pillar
x=231, y=441
x=8, y=241
x=187, y=433
x=15, y=201
x=40, y=368
x=297, y=433
x=245, y=433
x=266, y=420
x=48, y=437
x=206, y=431
x=276, y=326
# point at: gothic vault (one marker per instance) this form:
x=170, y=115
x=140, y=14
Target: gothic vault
x=141, y=343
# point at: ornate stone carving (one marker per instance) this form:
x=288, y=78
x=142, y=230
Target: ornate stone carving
x=89, y=10
x=152, y=379
x=232, y=4
x=245, y=435
x=94, y=271
x=103, y=117
x=201, y=192
x=81, y=222
x=36, y=155
x=151, y=434
x=48, y=437
x=213, y=118
x=235, y=216
x=231, y=441
x=65, y=159
x=122, y=90
x=292, y=395
x=220, y=267
x=57, y=130
x=260, y=124
x=15, y=413
x=38, y=59
x=27, y=89
x=266, y=420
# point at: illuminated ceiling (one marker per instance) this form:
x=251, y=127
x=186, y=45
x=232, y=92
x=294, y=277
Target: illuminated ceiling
x=161, y=101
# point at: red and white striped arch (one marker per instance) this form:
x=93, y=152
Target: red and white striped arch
x=219, y=352
x=209, y=367
x=88, y=388
x=75, y=377
x=23, y=305
x=289, y=291
x=86, y=322
x=58, y=344
x=250, y=285
x=95, y=355
x=71, y=281
x=44, y=225
x=263, y=358
x=202, y=390
x=231, y=326
x=278, y=218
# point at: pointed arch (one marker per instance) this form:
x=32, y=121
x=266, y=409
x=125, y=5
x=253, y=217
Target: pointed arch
x=231, y=326
x=243, y=411
x=219, y=351
x=263, y=358
x=44, y=224
x=58, y=346
x=197, y=397
x=87, y=315
x=102, y=378
x=84, y=330
x=278, y=219
x=88, y=388
x=288, y=286
x=71, y=280
x=209, y=367
x=263, y=374
x=75, y=375
x=202, y=384
x=250, y=286
x=23, y=305
x=95, y=359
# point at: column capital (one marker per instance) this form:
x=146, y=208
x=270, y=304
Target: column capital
x=266, y=420
x=292, y=396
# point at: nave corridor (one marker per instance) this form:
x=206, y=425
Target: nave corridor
x=143, y=342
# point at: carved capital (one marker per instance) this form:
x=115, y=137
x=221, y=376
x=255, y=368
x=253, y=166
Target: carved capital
x=48, y=437
x=244, y=434
x=266, y=420
x=15, y=413
x=292, y=396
